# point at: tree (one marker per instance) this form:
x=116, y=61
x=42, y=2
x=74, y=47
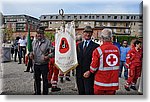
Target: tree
x=8, y=34
x=50, y=36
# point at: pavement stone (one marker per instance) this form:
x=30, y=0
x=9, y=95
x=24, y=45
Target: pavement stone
x=18, y=82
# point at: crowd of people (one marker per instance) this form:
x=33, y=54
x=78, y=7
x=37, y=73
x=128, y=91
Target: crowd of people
x=100, y=65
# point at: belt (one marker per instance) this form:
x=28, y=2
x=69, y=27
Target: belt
x=22, y=46
x=40, y=63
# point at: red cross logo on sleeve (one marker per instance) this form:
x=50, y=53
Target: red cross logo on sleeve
x=111, y=60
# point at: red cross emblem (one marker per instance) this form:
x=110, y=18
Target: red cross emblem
x=111, y=59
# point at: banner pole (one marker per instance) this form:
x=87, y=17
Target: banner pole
x=61, y=13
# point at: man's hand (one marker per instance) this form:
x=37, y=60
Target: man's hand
x=87, y=74
x=31, y=55
x=46, y=58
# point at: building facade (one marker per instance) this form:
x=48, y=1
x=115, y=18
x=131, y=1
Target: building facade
x=121, y=24
x=19, y=24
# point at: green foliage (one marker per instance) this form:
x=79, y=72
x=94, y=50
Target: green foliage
x=50, y=36
x=125, y=37
x=8, y=35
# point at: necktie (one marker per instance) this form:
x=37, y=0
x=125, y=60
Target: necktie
x=85, y=46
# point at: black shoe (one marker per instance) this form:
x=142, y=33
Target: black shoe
x=133, y=87
x=68, y=79
x=55, y=89
x=61, y=80
x=127, y=88
x=49, y=85
x=19, y=63
x=31, y=71
x=26, y=71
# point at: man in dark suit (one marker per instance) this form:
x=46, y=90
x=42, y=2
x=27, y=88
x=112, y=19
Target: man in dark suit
x=84, y=55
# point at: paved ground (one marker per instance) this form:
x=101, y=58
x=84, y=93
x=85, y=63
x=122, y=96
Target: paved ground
x=16, y=81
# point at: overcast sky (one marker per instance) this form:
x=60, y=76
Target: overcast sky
x=36, y=8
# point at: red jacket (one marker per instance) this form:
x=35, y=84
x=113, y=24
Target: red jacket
x=105, y=61
x=134, y=58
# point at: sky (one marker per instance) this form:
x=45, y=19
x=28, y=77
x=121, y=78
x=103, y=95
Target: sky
x=36, y=8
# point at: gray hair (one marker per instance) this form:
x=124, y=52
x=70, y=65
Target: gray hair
x=106, y=34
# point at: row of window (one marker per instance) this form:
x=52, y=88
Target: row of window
x=92, y=17
x=127, y=24
x=20, y=20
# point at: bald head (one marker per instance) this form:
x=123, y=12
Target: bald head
x=106, y=34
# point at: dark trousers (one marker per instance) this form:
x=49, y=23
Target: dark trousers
x=22, y=53
x=125, y=70
x=29, y=65
x=38, y=71
x=85, y=85
x=16, y=53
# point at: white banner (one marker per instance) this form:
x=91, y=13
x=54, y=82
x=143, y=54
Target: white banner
x=65, y=48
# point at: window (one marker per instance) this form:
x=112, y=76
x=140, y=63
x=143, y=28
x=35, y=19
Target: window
x=126, y=30
x=85, y=17
x=127, y=17
x=109, y=17
x=115, y=24
x=93, y=17
x=56, y=17
x=102, y=17
x=114, y=30
x=85, y=22
x=51, y=17
x=121, y=17
x=75, y=17
x=126, y=24
x=115, y=17
x=97, y=17
x=108, y=24
x=141, y=17
x=97, y=23
x=44, y=17
x=89, y=17
x=80, y=17
x=68, y=17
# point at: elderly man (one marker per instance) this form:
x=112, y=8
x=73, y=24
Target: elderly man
x=105, y=65
x=40, y=55
x=84, y=55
